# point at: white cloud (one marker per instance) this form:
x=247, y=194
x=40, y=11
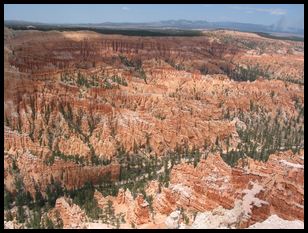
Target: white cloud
x=272, y=11
x=250, y=10
x=125, y=8
x=278, y=12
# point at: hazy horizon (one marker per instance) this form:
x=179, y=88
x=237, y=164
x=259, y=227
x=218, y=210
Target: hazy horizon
x=284, y=15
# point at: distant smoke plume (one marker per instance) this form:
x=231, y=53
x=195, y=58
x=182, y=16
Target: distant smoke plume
x=285, y=24
x=300, y=23
x=282, y=23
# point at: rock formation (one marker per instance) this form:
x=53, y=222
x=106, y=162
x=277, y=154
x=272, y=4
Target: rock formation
x=140, y=211
x=172, y=221
x=77, y=104
x=71, y=214
x=36, y=173
x=274, y=222
x=251, y=193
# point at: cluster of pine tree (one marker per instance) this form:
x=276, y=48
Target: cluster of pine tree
x=251, y=73
x=119, y=80
x=136, y=65
x=265, y=134
x=94, y=81
x=109, y=217
x=30, y=210
x=176, y=66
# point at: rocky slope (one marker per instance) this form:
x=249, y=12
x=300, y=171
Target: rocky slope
x=77, y=104
x=239, y=196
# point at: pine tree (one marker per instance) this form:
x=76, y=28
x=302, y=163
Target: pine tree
x=9, y=216
x=20, y=214
x=196, y=159
x=7, y=200
x=14, y=166
x=21, y=196
x=35, y=220
x=49, y=224
x=59, y=224
x=29, y=198
x=39, y=199
x=117, y=223
x=217, y=141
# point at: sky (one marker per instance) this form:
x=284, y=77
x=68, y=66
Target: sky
x=267, y=14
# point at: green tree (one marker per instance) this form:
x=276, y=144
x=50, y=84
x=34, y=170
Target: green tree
x=59, y=224
x=35, y=219
x=49, y=224
x=53, y=191
x=20, y=214
x=7, y=200
x=186, y=219
x=20, y=199
x=29, y=198
x=117, y=223
x=159, y=187
x=14, y=166
x=8, y=215
x=217, y=142
x=39, y=199
x=196, y=157
x=92, y=209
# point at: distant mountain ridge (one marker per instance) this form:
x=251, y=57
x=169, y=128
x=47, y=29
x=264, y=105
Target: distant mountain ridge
x=174, y=24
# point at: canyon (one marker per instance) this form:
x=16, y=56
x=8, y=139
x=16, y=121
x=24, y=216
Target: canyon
x=153, y=132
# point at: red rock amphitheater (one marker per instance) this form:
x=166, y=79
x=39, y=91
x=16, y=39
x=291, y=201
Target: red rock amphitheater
x=152, y=132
